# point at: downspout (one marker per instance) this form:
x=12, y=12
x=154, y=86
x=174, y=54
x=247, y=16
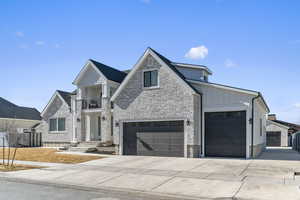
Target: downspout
x=252, y=127
x=201, y=124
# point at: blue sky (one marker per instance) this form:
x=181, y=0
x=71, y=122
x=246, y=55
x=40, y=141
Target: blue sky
x=253, y=44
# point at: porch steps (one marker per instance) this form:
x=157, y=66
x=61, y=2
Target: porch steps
x=83, y=149
x=89, y=144
x=106, y=150
x=93, y=146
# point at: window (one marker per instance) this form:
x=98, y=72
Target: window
x=151, y=78
x=53, y=123
x=61, y=124
x=57, y=124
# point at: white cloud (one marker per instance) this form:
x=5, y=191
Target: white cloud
x=199, y=52
x=40, y=43
x=297, y=105
x=146, y=1
x=19, y=34
x=230, y=63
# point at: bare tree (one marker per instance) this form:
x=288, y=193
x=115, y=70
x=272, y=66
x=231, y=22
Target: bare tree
x=11, y=138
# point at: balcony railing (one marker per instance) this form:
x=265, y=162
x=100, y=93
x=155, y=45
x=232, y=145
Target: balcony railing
x=91, y=103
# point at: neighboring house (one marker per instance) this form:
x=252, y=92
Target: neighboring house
x=17, y=118
x=277, y=134
x=296, y=141
x=276, y=131
x=160, y=108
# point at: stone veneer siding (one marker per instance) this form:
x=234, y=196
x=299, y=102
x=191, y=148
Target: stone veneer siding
x=172, y=100
x=258, y=149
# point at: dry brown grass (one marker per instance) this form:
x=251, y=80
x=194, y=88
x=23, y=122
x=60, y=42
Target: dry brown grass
x=46, y=155
x=17, y=168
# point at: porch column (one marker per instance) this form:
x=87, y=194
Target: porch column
x=73, y=105
x=88, y=128
x=106, y=122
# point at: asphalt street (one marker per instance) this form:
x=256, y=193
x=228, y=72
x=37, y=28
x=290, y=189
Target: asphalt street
x=16, y=190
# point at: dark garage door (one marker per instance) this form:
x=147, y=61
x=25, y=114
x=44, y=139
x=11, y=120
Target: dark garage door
x=158, y=138
x=225, y=134
x=274, y=138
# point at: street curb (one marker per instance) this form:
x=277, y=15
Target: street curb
x=155, y=196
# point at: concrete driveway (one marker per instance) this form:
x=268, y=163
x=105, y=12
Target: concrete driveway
x=269, y=177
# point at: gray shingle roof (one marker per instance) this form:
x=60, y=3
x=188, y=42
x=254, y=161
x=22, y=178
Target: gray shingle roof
x=109, y=72
x=10, y=110
x=66, y=96
x=293, y=127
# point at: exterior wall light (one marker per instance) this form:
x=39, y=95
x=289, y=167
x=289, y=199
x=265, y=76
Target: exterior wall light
x=103, y=118
x=117, y=124
x=250, y=121
x=78, y=119
x=188, y=122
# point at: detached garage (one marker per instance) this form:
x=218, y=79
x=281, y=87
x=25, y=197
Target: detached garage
x=156, y=138
x=225, y=134
x=277, y=134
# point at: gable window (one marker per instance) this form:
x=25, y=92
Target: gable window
x=151, y=78
x=57, y=124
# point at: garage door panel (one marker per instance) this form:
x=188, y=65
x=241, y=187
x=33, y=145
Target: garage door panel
x=161, y=138
x=274, y=138
x=225, y=134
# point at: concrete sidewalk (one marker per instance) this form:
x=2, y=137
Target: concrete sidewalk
x=187, y=178
x=42, y=164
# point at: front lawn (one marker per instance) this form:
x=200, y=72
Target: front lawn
x=46, y=155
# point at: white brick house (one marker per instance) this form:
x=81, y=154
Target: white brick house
x=85, y=114
x=163, y=108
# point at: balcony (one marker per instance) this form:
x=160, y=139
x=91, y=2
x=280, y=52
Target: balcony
x=91, y=103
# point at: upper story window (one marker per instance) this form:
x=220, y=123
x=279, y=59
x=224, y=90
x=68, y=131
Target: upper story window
x=57, y=124
x=151, y=78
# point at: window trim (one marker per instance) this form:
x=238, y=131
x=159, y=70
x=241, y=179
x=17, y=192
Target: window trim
x=143, y=78
x=57, y=119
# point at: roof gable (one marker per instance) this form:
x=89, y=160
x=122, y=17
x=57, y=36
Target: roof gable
x=159, y=58
x=109, y=72
x=64, y=96
x=172, y=67
x=277, y=124
x=102, y=70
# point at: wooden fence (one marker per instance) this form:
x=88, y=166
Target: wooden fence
x=28, y=139
x=296, y=141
